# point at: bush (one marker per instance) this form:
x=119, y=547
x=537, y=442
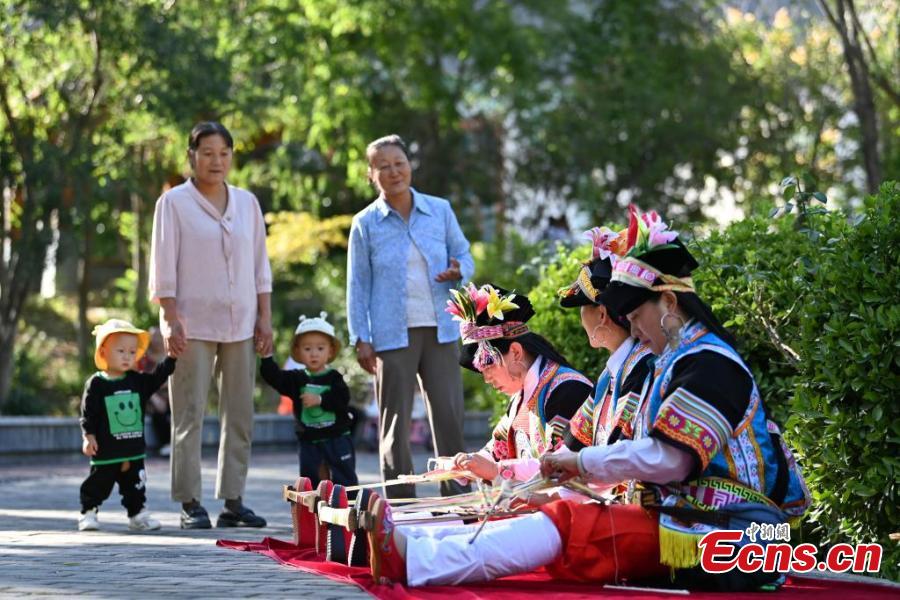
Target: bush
x=756, y=276
x=812, y=303
x=47, y=379
x=846, y=416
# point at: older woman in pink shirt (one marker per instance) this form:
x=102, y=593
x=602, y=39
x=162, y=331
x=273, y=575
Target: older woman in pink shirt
x=210, y=274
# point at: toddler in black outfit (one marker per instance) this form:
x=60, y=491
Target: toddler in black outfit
x=321, y=402
x=112, y=423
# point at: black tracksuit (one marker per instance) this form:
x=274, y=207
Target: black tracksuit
x=112, y=410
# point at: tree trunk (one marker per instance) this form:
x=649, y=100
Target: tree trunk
x=8, y=333
x=864, y=107
x=863, y=98
x=20, y=267
x=138, y=255
x=84, y=287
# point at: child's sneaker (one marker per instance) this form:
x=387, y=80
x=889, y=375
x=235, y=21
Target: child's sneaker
x=143, y=522
x=88, y=521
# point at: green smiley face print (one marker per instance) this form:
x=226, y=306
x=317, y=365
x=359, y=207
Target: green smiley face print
x=124, y=412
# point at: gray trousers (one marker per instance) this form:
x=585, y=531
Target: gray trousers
x=234, y=365
x=435, y=368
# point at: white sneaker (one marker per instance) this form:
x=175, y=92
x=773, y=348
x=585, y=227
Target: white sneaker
x=143, y=522
x=165, y=450
x=88, y=521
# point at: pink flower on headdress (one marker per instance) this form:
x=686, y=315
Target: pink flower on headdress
x=460, y=306
x=480, y=297
x=453, y=309
x=647, y=231
x=603, y=242
x=658, y=234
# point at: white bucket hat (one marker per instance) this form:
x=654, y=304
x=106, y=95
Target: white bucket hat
x=318, y=324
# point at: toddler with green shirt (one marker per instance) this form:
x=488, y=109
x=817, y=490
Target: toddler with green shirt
x=321, y=401
x=112, y=423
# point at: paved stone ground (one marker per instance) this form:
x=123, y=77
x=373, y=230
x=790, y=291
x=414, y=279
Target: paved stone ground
x=43, y=554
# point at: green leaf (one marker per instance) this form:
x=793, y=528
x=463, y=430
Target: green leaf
x=788, y=181
x=865, y=492
x=820, y=197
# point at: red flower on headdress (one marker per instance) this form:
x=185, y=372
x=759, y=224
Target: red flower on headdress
x=632, y=225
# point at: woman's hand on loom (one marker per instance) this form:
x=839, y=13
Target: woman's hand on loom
x=562, y=464
x=535, y=499
x=476, y=464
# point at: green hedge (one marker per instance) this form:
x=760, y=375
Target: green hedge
x=846, y=415
x=814, y=305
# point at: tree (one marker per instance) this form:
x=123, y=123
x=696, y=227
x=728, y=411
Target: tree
x=72, y=74
x=50, y=87
x=339, y=75
x=641, y=100
x=858, y=52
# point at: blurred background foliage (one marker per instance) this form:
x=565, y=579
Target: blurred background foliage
x=536, y=119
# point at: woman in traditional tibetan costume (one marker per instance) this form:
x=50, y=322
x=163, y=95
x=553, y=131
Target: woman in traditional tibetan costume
x=545, y=391
x=606, y=415
x=705, y=456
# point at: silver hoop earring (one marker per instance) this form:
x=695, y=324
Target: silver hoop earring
x=593, y=332
x=673, y=338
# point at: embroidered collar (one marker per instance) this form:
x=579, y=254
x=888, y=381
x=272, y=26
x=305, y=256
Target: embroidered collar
x=617, y=358
x=532, y=378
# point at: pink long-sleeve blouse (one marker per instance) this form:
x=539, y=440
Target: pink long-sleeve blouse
x=213, y=264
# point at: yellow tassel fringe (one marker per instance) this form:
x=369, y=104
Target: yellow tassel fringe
x=677, y=549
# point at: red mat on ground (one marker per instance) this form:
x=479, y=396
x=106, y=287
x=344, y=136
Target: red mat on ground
x=538, y=583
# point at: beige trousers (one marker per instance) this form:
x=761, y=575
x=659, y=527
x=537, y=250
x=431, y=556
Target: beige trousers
x=234, y=366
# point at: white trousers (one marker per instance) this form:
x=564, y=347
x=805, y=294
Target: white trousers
x=442, y=555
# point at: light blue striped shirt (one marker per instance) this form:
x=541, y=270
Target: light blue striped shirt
x=376, y=268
